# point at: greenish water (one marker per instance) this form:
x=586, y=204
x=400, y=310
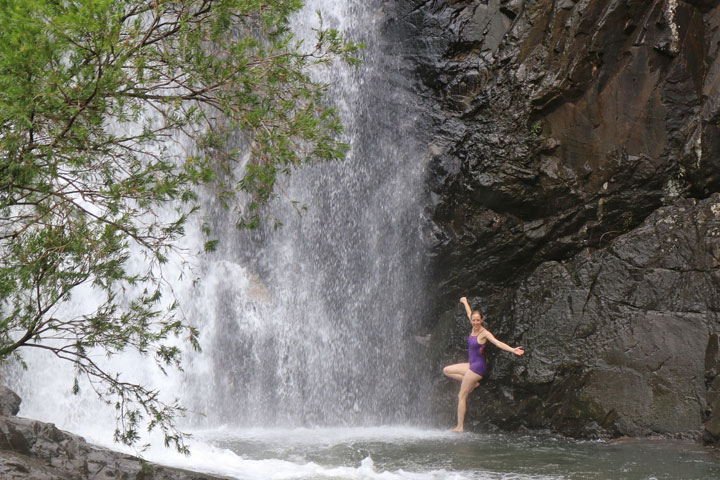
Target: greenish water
x=390, y=453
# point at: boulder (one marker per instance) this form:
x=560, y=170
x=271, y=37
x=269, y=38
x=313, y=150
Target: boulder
x=9, y=402
x=37, y=450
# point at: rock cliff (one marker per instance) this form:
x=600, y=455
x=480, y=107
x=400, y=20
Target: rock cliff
x=575, y=150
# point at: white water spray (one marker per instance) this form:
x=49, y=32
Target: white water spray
x=311, y=324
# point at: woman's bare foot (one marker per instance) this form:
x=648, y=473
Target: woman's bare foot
x=458, y=429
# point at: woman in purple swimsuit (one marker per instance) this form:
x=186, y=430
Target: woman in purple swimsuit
x=472, y=372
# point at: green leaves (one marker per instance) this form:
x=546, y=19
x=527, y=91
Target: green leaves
x=111, y=109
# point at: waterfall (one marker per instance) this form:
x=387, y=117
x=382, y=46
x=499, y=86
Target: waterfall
x=314, y=323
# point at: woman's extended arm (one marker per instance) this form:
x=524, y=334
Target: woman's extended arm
x=504, y=346
x=464, y=301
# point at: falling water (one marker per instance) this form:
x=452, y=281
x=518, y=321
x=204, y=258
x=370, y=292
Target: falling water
x=313, y=323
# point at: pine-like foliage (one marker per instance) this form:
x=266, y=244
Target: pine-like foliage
x=112, y=111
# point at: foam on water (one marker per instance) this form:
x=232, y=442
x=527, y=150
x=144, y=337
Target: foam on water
x=209, y=456
x=225, y=462
x=326, y=436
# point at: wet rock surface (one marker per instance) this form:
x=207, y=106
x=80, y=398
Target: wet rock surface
x=624, y=339
x=561, y=131
x=35, y=450
x=9, y=401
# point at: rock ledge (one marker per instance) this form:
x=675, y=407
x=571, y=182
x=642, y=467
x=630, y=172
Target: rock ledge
x=41, y=451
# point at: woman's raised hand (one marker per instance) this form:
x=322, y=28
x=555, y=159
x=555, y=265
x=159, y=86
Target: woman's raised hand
x=463, y=300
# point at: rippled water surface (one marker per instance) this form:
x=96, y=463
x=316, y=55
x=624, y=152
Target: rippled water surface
x=409, y=453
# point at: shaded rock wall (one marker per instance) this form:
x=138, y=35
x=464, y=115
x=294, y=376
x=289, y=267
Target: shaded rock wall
x=624, y=339
x=559, y=127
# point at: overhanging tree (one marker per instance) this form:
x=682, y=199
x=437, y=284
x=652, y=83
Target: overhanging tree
x=113, y=110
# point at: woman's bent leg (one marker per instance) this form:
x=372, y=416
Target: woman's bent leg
x=469, y=382
x=456, y=371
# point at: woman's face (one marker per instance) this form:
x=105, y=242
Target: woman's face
x=476, y=320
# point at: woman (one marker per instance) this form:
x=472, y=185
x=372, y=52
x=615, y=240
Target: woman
x=472, y=372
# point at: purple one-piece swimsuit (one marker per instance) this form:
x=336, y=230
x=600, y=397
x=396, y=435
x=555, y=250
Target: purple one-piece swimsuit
x=476, y=355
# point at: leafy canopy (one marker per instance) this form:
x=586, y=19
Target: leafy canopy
x=112, y=111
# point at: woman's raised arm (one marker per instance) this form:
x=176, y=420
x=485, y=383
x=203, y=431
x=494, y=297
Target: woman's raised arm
x=464, y=301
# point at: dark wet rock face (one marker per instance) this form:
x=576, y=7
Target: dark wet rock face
x=581, y=121
x=621, y=340
x=632, y=328
x=562, y=131
x=711, y=432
